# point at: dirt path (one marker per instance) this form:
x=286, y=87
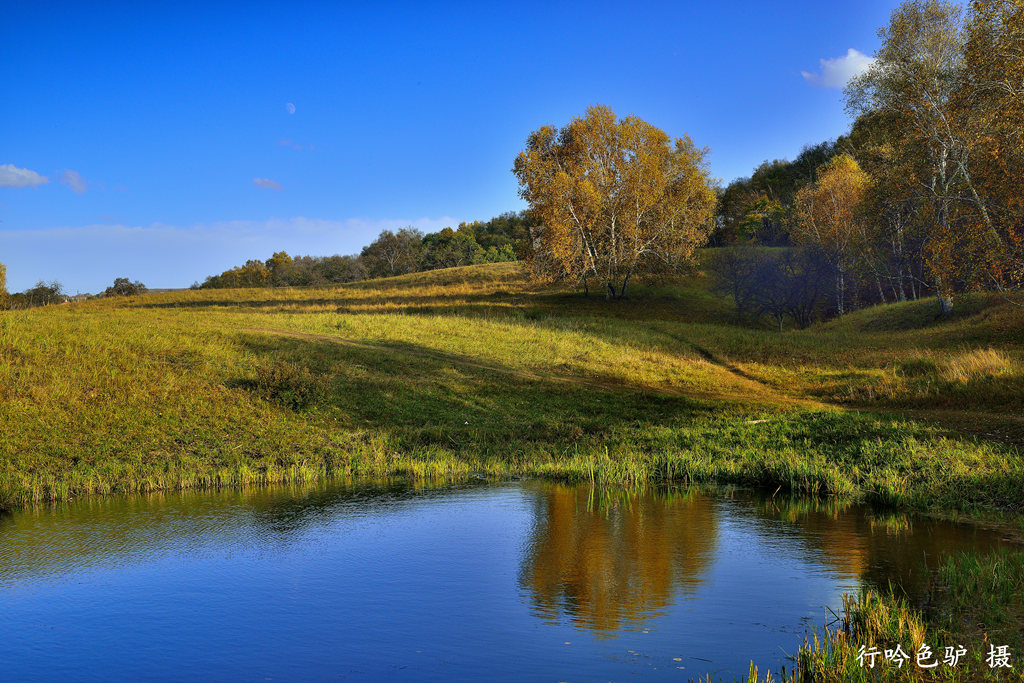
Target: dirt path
x=756, y=385
x=1001, y=427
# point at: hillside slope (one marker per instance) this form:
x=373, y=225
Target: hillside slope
x=477, y=370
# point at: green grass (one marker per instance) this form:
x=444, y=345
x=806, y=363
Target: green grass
x=476, y=370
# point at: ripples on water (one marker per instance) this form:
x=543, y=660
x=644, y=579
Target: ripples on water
x=517, y=581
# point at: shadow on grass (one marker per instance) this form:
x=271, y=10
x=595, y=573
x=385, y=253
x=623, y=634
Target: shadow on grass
x=645, y=304
x=427, y=397
x=421, y=400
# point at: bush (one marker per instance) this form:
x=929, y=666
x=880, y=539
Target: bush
x=292, y=386
x=918, y=367
x=787, y=283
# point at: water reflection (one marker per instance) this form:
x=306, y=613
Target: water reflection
x=534, y=581
x=879, y=547
x=606, y=558
x=612, y=558
x=57, y=539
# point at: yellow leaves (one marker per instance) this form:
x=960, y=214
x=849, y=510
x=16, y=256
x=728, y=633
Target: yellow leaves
x=827, y=209
x=615, y=197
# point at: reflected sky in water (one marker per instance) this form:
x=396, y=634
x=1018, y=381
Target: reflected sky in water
x=513, y=581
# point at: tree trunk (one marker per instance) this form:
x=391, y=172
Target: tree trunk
x=840, y=290
x=945, y=304
x=945, y=298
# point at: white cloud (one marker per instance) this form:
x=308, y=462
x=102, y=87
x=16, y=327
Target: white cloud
x=74, y=180
x=88, y=258
x=837, y=72
x=266, y=183
x=290, y=107
x=12, y=176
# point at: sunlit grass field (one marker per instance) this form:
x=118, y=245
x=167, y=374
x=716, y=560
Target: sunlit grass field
x=476, y=370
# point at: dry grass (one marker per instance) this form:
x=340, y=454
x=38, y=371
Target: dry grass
x=978, y=364
x=977, y=603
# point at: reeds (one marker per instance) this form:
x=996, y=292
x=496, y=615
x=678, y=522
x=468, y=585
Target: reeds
x=977, y=602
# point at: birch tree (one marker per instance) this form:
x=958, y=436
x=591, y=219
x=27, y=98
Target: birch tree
x=994, y=100
x=616, y=198
x=828, y=216
x=953, y=80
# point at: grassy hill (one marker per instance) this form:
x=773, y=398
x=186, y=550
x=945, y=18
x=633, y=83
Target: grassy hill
x=476, y=370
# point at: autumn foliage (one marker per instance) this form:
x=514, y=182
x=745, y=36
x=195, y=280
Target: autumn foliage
x=925, y=195
x=829, y=216
x=615, y=198
x=952, y=83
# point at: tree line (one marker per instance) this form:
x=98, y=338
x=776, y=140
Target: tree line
x=49, y=293
x=392, y=253
x=924, y=195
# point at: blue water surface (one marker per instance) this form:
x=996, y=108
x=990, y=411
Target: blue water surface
x=388, y=581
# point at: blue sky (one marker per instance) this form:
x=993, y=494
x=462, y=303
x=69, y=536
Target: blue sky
x=166, y=142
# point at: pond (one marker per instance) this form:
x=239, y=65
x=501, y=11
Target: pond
x=510, y=581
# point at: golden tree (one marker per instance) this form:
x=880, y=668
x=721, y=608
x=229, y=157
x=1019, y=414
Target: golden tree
x=916, y=75
x=615, y=198
x=828, y=216
x=993, y=102
x=279, y=260
x=954, y=80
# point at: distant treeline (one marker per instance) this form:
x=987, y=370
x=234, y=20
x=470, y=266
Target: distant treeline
x=393, y=253
x=42, y=294
x=49, y=293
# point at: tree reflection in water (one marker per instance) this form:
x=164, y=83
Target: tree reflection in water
x=882, y=548
x=611, y=559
